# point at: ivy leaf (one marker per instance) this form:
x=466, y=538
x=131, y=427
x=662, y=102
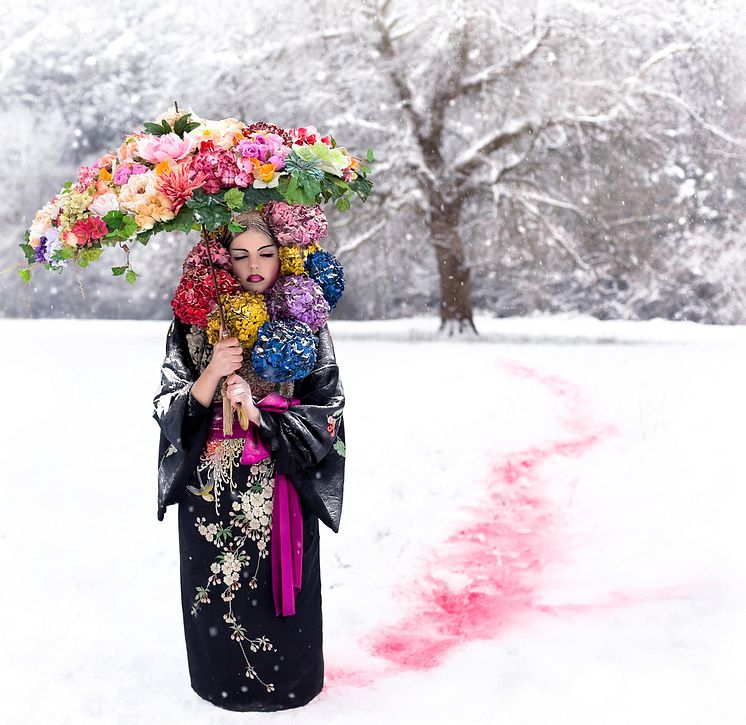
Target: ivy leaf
x=128, y=228
x=144, y=237
x=234, y=198
x=113, y=219
x=369, y=156
x=28, y=252
x=117, y=271
x=65, y=252
x=131, y=276
x=343, y=203
x=25, y=275
x=235, y=227
x=91, y=254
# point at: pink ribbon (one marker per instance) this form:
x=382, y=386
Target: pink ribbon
x=286, y=547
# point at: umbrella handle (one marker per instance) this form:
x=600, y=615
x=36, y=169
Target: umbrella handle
x=243, y=416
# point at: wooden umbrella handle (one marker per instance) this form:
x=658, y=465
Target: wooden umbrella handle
x=243, y=416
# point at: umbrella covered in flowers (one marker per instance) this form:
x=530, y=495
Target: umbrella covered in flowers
x=184, y=173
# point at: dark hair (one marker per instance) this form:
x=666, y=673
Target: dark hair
x=249, y=220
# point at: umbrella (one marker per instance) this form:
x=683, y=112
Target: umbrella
x=183, y=173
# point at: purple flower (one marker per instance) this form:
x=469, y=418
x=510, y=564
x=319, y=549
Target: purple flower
x=297, y=297
x=41, y=251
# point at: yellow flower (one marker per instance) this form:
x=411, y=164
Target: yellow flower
x=162, y=167
x=291, y=260
x=245, y=313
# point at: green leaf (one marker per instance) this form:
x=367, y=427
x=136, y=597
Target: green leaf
x=182, y=222
x=339, y=446
x=144, y=237
x=234, y=198
x=91, y=254
x=64, y=252
x=181, y=123
x=128, y=228
x=235, y=227
x=113, y=219
x=369, y=156
x=67, y=185
x=343, y=203
x=25, y=275
x=28, y=252
x=154, y=128
x=131, y=276
x=165, y=126
x=118, y=270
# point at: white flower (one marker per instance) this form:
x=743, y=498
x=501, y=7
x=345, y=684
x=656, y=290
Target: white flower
x=104, y=203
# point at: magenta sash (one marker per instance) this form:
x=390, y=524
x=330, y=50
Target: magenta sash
x=286, y=547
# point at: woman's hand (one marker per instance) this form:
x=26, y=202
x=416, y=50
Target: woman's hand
x=227, y=357
x=239, y=391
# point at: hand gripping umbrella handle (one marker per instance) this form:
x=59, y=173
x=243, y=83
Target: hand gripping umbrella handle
x=243, y=416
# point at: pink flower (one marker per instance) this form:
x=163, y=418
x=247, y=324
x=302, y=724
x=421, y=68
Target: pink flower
x=295, y=224
x=219, y=168
x=169, y=146
x=88, y=230
x=123, y=173
x=178, y=184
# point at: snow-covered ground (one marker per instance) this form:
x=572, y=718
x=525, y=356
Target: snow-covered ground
x=543, y=526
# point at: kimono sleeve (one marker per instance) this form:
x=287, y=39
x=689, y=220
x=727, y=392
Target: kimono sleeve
x=307, y=440
x=179, y=414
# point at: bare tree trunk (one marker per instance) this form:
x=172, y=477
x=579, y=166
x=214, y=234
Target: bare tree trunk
x=455, y=280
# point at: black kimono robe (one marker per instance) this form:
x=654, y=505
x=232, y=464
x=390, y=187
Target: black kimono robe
x=245, y=657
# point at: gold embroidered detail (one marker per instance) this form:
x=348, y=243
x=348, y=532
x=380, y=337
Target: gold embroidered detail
x=220, y=457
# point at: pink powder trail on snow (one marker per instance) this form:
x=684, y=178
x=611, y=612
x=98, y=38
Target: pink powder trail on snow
x=495, y=561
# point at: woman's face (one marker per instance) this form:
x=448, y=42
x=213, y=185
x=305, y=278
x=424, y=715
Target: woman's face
x=255, y=260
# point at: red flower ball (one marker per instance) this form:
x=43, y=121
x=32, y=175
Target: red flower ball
x=195, y=296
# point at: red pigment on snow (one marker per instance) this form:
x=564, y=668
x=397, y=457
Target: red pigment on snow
x=494, y=562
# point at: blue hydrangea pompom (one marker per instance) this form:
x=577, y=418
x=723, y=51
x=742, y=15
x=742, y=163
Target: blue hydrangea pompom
x=326, y=270
x=284, y=350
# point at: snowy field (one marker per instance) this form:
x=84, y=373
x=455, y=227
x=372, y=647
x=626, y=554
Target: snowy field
x=543, y=526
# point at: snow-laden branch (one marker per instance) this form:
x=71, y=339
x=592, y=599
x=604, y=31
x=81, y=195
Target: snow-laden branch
x=684, y=106
x=492, y=72
x=660, y=55
x=352, y=244
x=553, y=231
x=551, y=201
x=495, y=140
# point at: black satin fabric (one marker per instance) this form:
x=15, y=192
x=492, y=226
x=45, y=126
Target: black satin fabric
x=299, y=438
x=302, y=447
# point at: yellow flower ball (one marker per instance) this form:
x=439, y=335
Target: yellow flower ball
x=245, y=313
x=293, y=259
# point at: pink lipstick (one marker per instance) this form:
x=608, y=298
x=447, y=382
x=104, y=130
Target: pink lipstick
x=256, y=278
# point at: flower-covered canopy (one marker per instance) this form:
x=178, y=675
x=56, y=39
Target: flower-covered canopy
x=187, y=173
x=182, y=173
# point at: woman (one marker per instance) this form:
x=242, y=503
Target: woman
x=244, y=651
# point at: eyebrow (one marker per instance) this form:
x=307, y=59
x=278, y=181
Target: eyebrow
x=241, y=249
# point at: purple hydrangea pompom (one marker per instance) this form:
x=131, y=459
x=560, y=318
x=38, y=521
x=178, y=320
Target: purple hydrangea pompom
x=297, y=297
